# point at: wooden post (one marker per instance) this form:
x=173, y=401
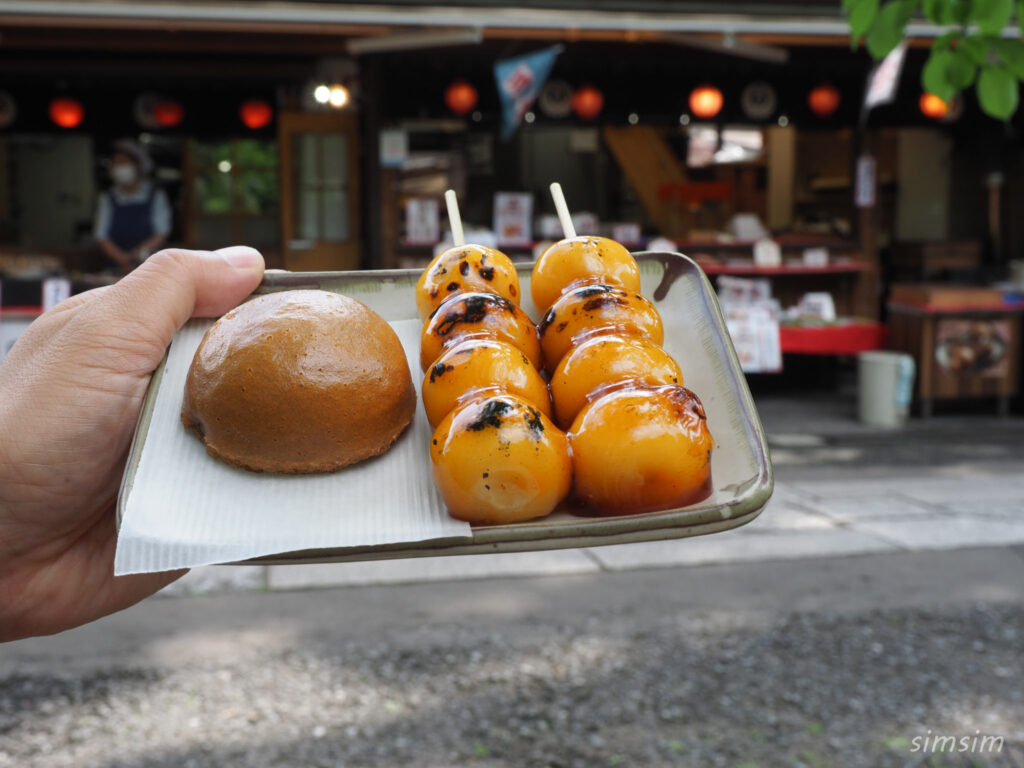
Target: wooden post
x=372, y=256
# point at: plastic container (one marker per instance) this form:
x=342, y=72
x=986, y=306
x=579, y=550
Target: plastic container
x=885, y=388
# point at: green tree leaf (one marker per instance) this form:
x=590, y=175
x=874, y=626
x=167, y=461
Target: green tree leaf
x=862, y=15
x=889, y=28
x=947, y=72
x=997, y=92
x=975, y=48
x=935, y=75
x=961, y=71
x=946, y=39
x=1011, y=53
x=991, y=16
x=940, y=11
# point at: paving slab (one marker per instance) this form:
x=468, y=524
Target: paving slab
x=217, y=578
x=855, y=488
x=996, y=488
x=1013, y=510
x=565, y=561
x=787, y=515
x=948, y=533
x=741, y=546
x=891, y=506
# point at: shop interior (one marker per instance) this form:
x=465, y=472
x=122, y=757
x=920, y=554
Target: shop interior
x=763, y=167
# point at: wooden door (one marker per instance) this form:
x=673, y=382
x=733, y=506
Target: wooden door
x=319, y=190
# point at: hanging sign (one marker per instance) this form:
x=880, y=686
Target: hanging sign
x=394, y=147
x=519, y=82
x=884, y=80
x=864, y=189
x=513, y=213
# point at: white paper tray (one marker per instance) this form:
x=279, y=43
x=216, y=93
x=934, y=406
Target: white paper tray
x=695, y=335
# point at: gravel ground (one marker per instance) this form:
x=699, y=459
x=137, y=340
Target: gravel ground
x=700, y=689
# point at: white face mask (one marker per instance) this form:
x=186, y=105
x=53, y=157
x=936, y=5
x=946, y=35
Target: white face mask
x=123, y=174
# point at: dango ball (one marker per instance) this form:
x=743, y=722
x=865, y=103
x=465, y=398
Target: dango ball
x=463, y=269
x=641, y=450
x=578, y=261
x=500, y=460
x=478, y=315
x=590, y=310
x=603, y=362
x=479, y=366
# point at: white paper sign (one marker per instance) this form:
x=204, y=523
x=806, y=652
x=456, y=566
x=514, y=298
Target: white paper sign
x=394, y=148
x=626, y=232
x=513, y=214
x=586, y=223
x=816, y=257
x=55, y=290
x=884, y=80
x=767, y=253
x=864, y=189
x=755, y=335
x=818, y=305
x=422, y=220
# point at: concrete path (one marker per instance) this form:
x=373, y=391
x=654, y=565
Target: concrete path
x=805, y=519
x=230, y=627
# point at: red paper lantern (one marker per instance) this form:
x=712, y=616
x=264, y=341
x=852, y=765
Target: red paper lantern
x=932, y=106
x=587, y=102
x=824, y=100
x=706, y=101
x=67, y=113
x=168, y=113
x=460, y=97
x=256, y=114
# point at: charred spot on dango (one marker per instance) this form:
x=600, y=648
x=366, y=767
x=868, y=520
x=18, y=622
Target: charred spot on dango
x=478, y=315
x=468, y=268
x=592, y=310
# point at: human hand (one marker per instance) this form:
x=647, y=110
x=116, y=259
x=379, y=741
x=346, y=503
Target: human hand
x=70, y=394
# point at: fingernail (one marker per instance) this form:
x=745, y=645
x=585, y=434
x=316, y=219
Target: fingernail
x=241, y=257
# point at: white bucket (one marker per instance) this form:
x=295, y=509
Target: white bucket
x=885, y=388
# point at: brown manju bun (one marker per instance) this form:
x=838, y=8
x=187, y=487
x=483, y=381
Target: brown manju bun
x=298, y=382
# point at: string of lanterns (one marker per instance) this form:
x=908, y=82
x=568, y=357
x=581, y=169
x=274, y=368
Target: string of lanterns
x=150, y=111
x=587, y=102
x=705, y=102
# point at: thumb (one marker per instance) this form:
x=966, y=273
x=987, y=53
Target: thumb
x=151, y=303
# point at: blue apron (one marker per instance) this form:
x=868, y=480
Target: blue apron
x=131, y=224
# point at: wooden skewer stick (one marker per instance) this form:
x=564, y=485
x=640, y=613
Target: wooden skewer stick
x=563, y=210
x=454, y=217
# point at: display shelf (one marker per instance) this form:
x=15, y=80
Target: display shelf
x=846, y=267
x=956, y=309
x=20, y=311
x=845, y=339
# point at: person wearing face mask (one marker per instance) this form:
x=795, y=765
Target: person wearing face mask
x=133, y=218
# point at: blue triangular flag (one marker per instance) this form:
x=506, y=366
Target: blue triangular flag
x=519, y=82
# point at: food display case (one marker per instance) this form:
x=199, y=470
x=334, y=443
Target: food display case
x=965, y=340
